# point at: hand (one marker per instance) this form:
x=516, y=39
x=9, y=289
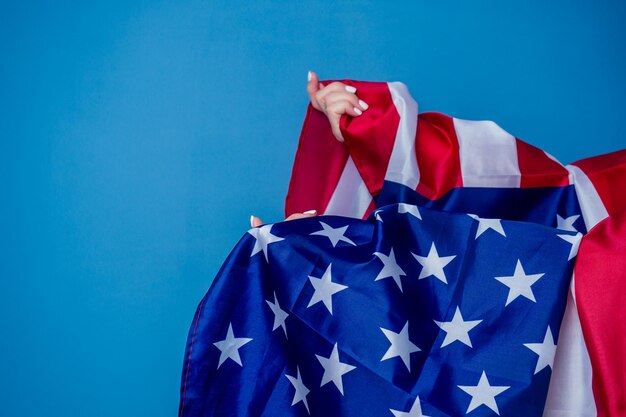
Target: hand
x=334, y=100
x=255, y=221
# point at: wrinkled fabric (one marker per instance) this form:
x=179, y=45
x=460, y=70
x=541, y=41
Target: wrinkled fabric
x=241, y=294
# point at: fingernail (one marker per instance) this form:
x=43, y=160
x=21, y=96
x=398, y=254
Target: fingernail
x=251, y=221
x=350, y=89
x=364, y=104
x=357, y=111
x=308, y=76
x=310, y=212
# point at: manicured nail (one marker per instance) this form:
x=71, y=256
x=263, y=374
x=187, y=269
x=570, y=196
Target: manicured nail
x=357, y=111
x=251, y=221
x=364, y=104
x=350, y=89
x=308, y=76
x=310, y=212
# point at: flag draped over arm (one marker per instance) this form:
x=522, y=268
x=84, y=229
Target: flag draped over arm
x=453, y=297
x=438, y=161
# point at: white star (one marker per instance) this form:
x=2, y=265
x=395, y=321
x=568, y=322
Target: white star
x=264, y=237
x=483, y=394
x=573, y=240
x=566, y=223
x=229, y=347
x=333, y=369
x=545, y=350
x=391, y=269
x=377, y=216
x=457, y=329
x=433, y=264
x=334, y=235
x=486, y=224
x=301, y=390
x=409, y=209
x=415, y=411
x=279, y=315
x=324, y=289
x=520, y=284
x=400, y=345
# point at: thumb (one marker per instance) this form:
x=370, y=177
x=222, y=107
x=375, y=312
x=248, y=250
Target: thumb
x=255, y=221
x=312, y=87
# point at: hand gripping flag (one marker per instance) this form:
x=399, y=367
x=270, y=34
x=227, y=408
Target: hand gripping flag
x=413, y=312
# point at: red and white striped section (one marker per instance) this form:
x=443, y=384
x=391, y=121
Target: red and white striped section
x=402, y=167
x=571, y=392
x=351, y=197
x=488, y=155
x=341, y=178
x=601, y=277
x=432, y=156
x=453, y=153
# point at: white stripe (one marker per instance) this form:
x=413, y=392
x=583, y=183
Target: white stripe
x=488, y=155
x=590, y=202
x=570, y=393
x=351, y=197
x=402, y=166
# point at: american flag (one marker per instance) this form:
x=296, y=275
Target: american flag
x=453, y=297
x=413, y=309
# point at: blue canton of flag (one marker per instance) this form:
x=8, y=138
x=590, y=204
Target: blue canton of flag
x=413, y=312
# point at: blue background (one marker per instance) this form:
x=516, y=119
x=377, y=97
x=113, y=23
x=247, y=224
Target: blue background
x=137, y=137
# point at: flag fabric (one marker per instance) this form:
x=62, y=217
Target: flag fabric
x=451, y=298
x=393, y=155
x=413, y=312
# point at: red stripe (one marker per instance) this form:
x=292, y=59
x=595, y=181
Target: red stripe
x=600, y=276
x=437, y=152
x=371, y=136
x=537, y=169
x=608, y=175
x=318, y=165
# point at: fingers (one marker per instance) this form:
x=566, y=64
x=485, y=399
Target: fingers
x=345, y=103
x=344, y=96
x=255, y=221
x=334, y=119
x=335, y=87
x=335, y=109
x=322, y=96
x=312, y=87
x=295, y=216
x=334, y=100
